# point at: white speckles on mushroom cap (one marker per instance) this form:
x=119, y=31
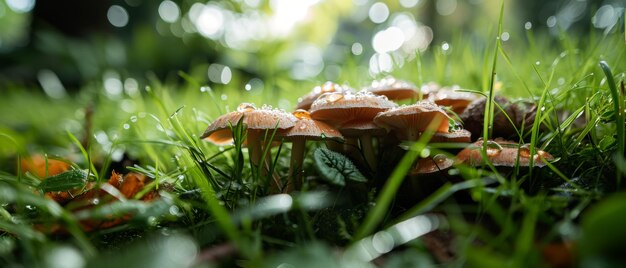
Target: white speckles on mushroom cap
x=393, y=88
x=306, y=101
x=340, y=108
x=219, y=131
x=308, y=128
x=451, y=96
x=411, y=120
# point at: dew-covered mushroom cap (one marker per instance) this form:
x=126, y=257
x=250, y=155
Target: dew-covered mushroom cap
x=305, y=102
x=504, y=154
x=393, y=89
x=306, y=127
x=411, y=120
x=340, y=108
x=219, y=132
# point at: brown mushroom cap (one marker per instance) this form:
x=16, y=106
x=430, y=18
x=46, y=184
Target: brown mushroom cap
x=219, y=131
x=453, y=98
x=410, y=121
x=305, y=102
x=432, y=164
x=306, y=127
x=460, y=135
x=340, y=108
x=393, y=89
x=429, y=88
x=504, y=154
x=358, y=128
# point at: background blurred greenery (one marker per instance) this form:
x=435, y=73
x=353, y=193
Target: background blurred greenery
x=62, y=45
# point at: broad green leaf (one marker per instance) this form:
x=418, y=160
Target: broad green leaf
x=335, y=167
x=65, y=181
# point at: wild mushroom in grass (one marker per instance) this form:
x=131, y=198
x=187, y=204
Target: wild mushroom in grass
x=305, y=128
x=455, y=135
x=503, y=154
x=256, y=121
x=305, y=102
x=393, y=89
x=410, y=121
x=364, y=131
x=453, y=97
x=342, y=109
x=512, y=116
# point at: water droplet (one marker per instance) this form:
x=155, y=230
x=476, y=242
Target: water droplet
x=224, y=97
x=524, y=150
x=174, y=210
x=493, y=148
x=425, y=153
x=537, y=62
x=440, y=159
x=543, y=108
x=302, y=127
x=329, y=87
x=246, y=107
x=133, y=119
x=528, y=25
x=302, y=114
x=95, y=201
x=248, y=87
x=152, y=221
x=29, y=207
x=126, y=126
x=334, y=97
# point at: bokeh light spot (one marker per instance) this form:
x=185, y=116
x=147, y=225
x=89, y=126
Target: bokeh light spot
x=118, y=16
x=169, y=11
x=379, y=12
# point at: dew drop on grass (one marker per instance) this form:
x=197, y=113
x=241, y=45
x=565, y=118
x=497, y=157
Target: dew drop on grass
x=425, y=153
x=152, y=221
x=248, y=87
x=126, y=126
x=95, y=201
x=29, y=207
x=133, y=119
x=174, y=210
x=528, y=25
x=537, y=63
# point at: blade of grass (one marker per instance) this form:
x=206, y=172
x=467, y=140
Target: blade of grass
x=388, y=192
x=619, y=115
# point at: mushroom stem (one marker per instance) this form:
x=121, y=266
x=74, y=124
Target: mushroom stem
x=257, y=154
x=368, y=151
x=295, y=166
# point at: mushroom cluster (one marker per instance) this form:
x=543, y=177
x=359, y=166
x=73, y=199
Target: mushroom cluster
x=360, y=125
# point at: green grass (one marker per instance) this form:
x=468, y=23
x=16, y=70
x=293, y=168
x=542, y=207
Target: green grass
x=495, y=218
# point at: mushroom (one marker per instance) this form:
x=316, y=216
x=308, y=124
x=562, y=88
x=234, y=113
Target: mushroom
x=256, y=121
x=453, y=98
x=305, y=102
x=344, y=109
x=364, y=131
x=503, y=153
x=409, y=122
x=393, y=89
x=473, y=117
x=429, y=88
x=433, y=164
x=456, y=135
x=305, y=128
